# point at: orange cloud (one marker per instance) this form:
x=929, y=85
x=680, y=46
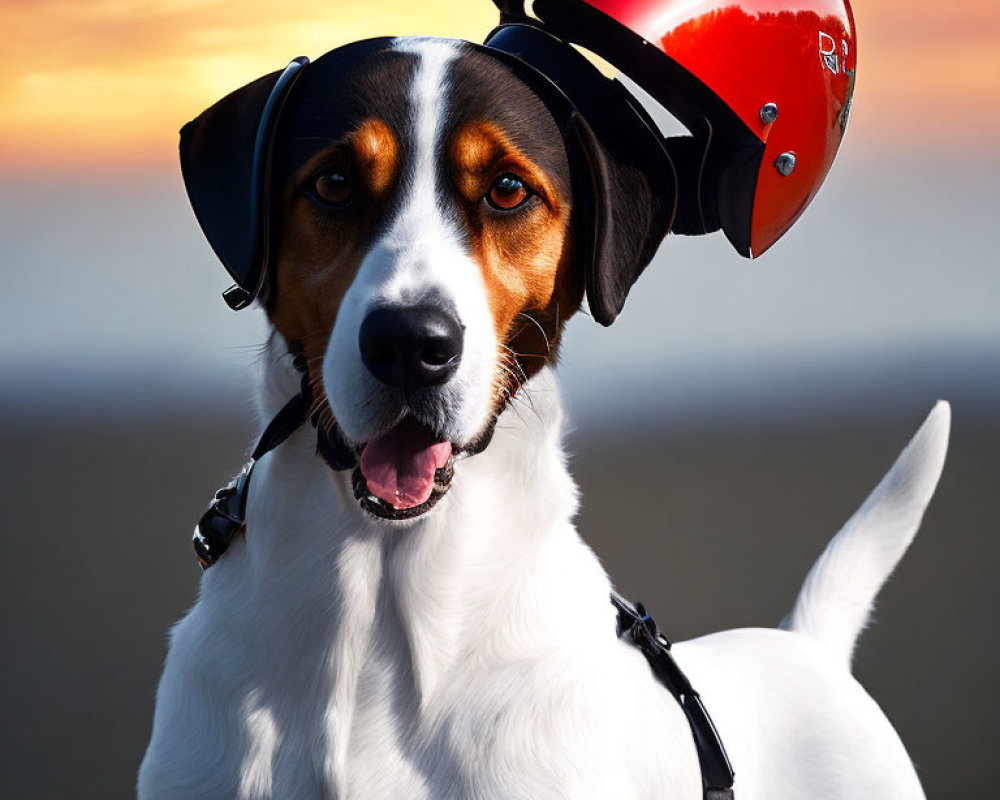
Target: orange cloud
x=109, y=82
x=928, y=74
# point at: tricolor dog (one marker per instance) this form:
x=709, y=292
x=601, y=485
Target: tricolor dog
x=415, y=615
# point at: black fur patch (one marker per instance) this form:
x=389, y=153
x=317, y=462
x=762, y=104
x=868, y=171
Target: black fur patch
x=336, y=93
x=482, y=88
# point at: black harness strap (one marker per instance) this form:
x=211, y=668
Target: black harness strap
x=225, y=517
x=640, y=629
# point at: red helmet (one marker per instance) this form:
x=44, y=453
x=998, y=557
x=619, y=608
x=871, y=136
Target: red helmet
x=764, y=92
x=764, y=87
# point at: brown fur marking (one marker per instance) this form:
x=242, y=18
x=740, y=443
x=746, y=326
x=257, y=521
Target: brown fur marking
x=524, y=255
x=377, y=156
x=321, y=250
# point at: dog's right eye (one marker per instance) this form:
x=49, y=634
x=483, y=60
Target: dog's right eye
x=508, y=192
x=332, y=189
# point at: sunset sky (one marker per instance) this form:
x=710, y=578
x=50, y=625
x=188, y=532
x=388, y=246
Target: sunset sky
x=107, y=83
x=104, y=265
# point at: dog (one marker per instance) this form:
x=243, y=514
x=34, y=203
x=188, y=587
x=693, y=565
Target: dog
x=448, y=634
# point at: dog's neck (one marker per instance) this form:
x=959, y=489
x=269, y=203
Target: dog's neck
x=478, y=565
x=456, y=655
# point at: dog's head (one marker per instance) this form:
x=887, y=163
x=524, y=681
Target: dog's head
x=429, y=239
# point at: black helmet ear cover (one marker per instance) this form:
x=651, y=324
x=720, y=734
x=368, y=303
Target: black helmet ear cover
x=632, y=188
x=624, y=184
x=225, y=160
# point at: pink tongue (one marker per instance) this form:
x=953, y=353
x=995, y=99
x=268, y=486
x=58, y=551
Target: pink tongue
x=399, y=466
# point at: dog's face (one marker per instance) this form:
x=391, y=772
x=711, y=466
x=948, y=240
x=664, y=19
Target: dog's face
x=425, y=265
x=427, y=236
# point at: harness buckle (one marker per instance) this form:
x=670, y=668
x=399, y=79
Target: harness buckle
x=641, y=629
x=223, y=520
x=645, y=632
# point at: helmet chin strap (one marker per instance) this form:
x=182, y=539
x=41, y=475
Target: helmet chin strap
x=225, y=517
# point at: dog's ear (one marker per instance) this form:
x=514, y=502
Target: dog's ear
x=631, y=199
x=225, y=160
x=624, y=184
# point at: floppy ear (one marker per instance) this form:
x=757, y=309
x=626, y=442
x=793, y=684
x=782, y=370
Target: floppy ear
x=225, y=159
x=632, y=198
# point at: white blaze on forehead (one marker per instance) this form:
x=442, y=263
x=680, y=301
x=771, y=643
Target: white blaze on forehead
x=427, y=97
x=423, y=256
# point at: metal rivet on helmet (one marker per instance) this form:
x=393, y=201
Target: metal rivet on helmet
x=722, y=69
x=785, y=163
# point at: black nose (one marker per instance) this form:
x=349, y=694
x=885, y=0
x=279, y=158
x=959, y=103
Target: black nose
x=411, y=348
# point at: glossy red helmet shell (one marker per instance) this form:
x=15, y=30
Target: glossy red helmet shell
x=785, y=68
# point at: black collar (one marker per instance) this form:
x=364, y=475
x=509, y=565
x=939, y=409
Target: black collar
x=225, y=517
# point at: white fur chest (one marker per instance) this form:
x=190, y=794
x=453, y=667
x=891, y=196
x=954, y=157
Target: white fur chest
x=471, y=653
x=468, y=654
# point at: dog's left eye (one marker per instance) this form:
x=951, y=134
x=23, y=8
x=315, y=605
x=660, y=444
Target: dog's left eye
x=333, y=189
x=507, y=192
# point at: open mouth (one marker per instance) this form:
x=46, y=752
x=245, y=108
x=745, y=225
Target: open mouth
x=404, y=472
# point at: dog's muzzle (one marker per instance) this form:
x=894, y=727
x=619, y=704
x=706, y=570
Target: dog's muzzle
x=411, y=351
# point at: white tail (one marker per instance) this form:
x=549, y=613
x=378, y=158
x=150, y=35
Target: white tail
x=838, y=594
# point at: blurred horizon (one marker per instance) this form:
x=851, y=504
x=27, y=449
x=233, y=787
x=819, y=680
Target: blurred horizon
x=889, y=273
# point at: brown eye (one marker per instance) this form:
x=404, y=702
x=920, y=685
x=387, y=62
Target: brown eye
x=333, y=188
x=507, y=192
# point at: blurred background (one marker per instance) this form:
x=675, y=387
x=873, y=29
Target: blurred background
x=722, y=430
